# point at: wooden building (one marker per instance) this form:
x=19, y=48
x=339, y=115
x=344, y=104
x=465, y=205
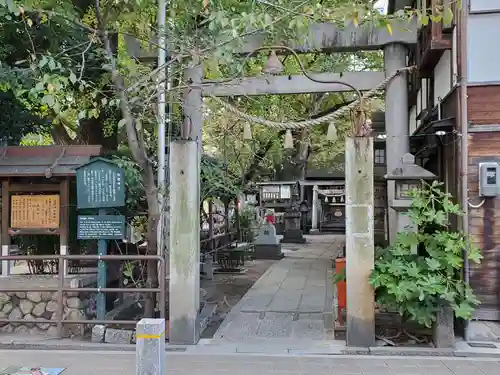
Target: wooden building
x=436, y=128
x=326, y=212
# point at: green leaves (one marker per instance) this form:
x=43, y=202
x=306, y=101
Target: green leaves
x=414, y=282
x=72, y=78
x=339, y=276
x=49, y=100
x=464, y=310
x=433, y=264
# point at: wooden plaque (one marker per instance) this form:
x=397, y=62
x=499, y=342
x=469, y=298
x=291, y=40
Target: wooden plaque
x=35, y=211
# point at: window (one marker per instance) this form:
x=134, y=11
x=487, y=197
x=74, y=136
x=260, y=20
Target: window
x=379, y=156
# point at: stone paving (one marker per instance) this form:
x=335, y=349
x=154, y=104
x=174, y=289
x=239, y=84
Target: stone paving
x=484, y=331
x=123, y=363
x=292, y=300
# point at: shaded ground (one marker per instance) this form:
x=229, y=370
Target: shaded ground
x=227, y=291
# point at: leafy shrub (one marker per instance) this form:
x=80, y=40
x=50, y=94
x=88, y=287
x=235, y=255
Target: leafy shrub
x=248, y=224
x=423, y=268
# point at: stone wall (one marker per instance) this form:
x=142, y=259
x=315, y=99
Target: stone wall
x=34, y=307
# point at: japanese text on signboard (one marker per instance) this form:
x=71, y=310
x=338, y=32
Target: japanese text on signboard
x=100, y=184
x=35, y=211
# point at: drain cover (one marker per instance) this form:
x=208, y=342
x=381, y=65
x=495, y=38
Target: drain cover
x=482, y=345
x=169, y=350
x=14, y=370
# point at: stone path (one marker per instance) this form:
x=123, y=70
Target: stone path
x=123, y=363
x=292, y=300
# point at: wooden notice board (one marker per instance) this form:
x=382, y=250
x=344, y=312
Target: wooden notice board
x=35, y=211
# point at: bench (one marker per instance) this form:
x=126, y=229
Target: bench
x=231, y=259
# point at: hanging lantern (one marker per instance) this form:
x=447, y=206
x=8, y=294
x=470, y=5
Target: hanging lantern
x=288, y=139
x=247, y=132
x=273, y=64
x=331, y=135
x=237, y=143
x=326, y=199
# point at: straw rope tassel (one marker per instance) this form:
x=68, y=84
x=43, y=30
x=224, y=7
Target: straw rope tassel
x=247, y=131
x=288, y=139
x=331, y=134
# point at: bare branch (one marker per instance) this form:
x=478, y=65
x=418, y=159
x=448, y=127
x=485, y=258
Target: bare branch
x=83, y=56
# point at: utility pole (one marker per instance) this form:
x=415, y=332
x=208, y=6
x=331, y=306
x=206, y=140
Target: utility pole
x=162, y=59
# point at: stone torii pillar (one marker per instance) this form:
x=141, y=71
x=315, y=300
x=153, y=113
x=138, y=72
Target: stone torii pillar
x=360, y=249
x=184, y=257
x=396, y=120
x=314, y=211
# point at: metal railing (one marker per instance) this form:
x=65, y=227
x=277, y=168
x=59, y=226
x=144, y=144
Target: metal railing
x=61, y=288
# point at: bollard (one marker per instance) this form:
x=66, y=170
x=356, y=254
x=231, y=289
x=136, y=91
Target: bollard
x=150, y=347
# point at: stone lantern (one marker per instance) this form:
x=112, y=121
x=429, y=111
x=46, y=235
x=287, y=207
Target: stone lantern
x=304, y=210
x=407, y=176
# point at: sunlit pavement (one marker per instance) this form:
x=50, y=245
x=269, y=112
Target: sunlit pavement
x=123, y=363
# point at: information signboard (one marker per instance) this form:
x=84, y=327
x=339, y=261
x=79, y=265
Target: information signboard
x=101, y=227
x=35, y=212
x=100, y=184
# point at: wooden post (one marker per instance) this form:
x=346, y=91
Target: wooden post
x=64, y=224
x=360, y=249
x=5, y=227
x=184, y=301
x=226, y=216
x=211, y=229
x=237, y=222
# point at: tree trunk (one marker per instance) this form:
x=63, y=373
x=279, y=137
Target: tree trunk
x=139, y=154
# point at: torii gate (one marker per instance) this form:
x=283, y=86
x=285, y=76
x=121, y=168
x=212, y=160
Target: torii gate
x=185, y=158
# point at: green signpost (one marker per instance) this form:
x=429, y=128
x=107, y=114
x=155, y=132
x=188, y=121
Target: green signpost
x=100, y=184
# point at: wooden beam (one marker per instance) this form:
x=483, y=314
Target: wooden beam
x=328, y=37
x=296, y=84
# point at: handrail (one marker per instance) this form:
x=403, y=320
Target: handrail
x=60, y=322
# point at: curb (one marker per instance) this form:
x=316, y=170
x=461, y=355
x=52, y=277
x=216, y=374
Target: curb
x=65, y=345
x=462, y=349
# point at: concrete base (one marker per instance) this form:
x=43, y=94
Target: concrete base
x=484, y=331
x=443, y=329
x=314, y=231
x=293, y=236
x=268, y=252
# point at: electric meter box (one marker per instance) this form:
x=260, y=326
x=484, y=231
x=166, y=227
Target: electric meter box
x=489, y=179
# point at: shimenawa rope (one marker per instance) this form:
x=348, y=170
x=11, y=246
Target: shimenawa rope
x=306, y=123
